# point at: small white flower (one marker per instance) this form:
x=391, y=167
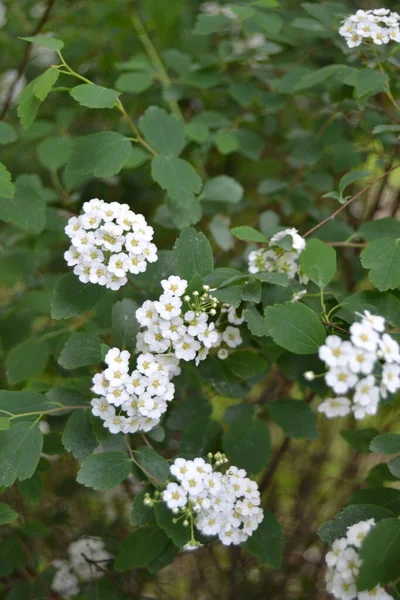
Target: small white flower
x=335, y=407
x=174, y=495
x=356, y=533
x=366, y=392
x=335, y=352
x=223, y=354
x=340, y=379
x=231, y=336
x=375, y=321
x=391, y=377
x=389, y=348
x=168, y=306
x=298, y=242
x=364, y=336
x=174, y=285
x=338, y=548
x=361, y=361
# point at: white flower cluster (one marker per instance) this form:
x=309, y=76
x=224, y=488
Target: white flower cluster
x=223, y=504
x=183, y=325
x=108, y=242
x=369, y=364
x=131, y=402
x=274, y=258
x=344, y=566
x=214, y=8
x=379, y=25
x=87, y=561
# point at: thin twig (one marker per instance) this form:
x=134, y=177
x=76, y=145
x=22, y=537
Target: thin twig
x=43, y=20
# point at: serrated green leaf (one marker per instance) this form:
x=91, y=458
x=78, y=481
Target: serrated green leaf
x=193, y=254
x=100, y=154
x=177, y=532
x=94, y=96
x=155, y=467
x=53, y=152
x=295, y=327
x=162, y=131
x=380, y=555
x=80, y=350
x=246, y=364
x=7, y=189
x=295, y=417
x=382, y=257
x=28, y=105
x=317, y=76
x=255, y=322
x=247, y=444
x=27, y=360
x=104, y=471
x=42, y=85
x=78, y=437
x=72, y=298
x=318, y=262
x=337, y=527
x=177, y=177
x=141, y=547
x=379, y=228
x=266, y=543
x=26, y=209
x=20, y=448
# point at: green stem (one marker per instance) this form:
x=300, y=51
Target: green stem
x=388, y=89
x=41, y=412
x=155, y=61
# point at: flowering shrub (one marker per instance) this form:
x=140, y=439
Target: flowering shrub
x=200, y=243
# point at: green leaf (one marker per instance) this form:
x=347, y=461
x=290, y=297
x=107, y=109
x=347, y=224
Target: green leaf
x=200, y=438
x=20, y=448
x=198, y=132
x=350, y=178
x=386, y=443
x=78, y=437
x=255, y=322
x=18, y=403
x=208, y=24
x=164, y=132
x=337, y=527
x=142, y=514
x=27, y=360
x=368, y=82
x=247, y=444
x=222, y=189
x=94, y=96
x=317, y=76
x=104, y=471
x=72, y=298
x=7, y=189
x=248, y=234
x=124, y=323
x=31, y=489
x=42, y=85
x=387, y=497
x=155, y=467
x=134, y=82
x=295, y=417
x=193, y=254
x=318, y=262
x=246, y=364
x=80, y=350
x=385, y=128
x=382, y=257
x=386, y=227
x=295, y=327
x=165, y=558
x=5, y=423
x=266, y=543
x=386, y=305
x=177, y=177
x=26, y=209
x=45, y=42
x=7, y=134
x=380, y=555
x=7, y=514
x=226, y=142
x=141, y=547
x=359, y=439
x=178, y=533
x=28, y=106
x=100, y=154
x=394, y=467
x=53, y=152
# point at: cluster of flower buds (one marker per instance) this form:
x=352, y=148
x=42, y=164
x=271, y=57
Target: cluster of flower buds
x=187, y=325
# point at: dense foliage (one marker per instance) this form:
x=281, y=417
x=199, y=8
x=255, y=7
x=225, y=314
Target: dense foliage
x=200, y=305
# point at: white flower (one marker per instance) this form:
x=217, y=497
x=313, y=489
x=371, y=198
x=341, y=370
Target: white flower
x=356, y=533
x=231, y=336
x=119, y=264
x=147, y=314
x=298, y=242
x=168, y=306
x=147, y=364
x=196, y=323
x=335, y=352
x=375, y=321
x=338, y=547
x=340, y=379
x=174, y=285
x=391, y=377
x=187, y=347
x=174, y=495
x=88, y=558
x=335, y=407
x=223, y=354
x=348, y=564
x=233, y=317
x=361, y=361
x=342, y=589
x=366, y=392
x=209, y=337
x=65, y=582
x=117, y=358
x=364, y=336
x=389, y=348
